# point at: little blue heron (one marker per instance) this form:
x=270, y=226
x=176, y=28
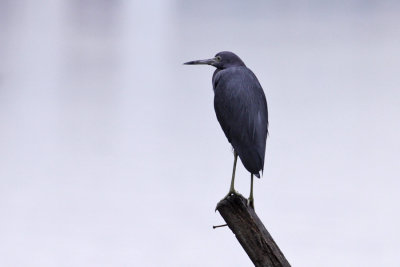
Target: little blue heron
x=241, y=109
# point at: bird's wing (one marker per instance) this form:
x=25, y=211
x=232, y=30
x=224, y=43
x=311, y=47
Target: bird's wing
x=241, y=109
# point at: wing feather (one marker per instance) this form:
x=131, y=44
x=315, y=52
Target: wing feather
x=241, y=109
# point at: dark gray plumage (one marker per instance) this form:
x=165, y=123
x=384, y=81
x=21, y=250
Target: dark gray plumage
x=241, y=109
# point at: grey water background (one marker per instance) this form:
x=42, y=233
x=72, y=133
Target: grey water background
x=111, y=155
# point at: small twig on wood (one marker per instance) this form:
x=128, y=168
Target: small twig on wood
x=217, y=226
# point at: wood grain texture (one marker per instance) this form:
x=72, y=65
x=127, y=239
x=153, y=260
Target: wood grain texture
x=251, y=232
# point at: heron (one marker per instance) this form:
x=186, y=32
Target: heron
x=241, y=108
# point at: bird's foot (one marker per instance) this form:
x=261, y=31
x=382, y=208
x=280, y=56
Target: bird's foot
x=250, y=202
x=232, y=192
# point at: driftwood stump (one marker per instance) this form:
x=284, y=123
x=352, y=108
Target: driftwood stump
x=250, y=232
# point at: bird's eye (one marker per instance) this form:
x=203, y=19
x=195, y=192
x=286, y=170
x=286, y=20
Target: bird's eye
x=218, y=58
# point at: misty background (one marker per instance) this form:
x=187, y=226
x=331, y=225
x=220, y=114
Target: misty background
x=111, y=155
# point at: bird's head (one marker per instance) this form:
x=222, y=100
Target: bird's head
x=222, y=60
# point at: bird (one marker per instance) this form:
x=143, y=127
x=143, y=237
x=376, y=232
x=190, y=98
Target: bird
x=241, y=109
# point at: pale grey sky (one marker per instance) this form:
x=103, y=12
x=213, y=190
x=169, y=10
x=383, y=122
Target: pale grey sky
x=111, y=155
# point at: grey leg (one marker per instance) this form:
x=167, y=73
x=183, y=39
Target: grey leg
x=232, y=188
x=250, y=201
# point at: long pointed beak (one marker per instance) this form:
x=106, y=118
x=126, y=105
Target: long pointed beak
x=210, y=61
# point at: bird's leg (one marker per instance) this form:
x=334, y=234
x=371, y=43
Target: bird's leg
x=232, y=188
x=250, y=201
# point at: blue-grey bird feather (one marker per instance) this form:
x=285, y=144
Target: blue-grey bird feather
x=241, y=108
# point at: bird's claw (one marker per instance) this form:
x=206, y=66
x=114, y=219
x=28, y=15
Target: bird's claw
x=231, y=192
x=250, y=203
